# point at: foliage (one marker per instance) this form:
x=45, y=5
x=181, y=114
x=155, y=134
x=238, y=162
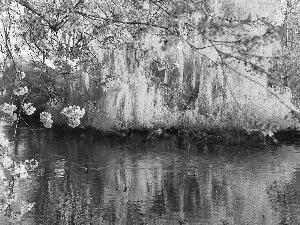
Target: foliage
x=63, y=34
x=288, y=66
x=10, y=169
x=10, y=172
x=73, y=27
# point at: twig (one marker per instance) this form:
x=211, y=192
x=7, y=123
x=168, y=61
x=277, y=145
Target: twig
x=36, y=139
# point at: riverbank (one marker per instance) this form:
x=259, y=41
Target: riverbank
x=215, y=137
x=207, y=134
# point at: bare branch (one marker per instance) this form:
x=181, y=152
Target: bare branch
x=31, y=8
x=120, y=21
x=55, y=26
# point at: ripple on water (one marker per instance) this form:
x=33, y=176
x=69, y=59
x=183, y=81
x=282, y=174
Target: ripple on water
x=138, y=182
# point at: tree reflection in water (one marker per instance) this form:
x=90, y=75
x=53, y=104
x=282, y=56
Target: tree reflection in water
x=162, y=181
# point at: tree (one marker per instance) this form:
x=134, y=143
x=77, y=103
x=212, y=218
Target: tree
x=39, y=33
x=64, y=33
x=289, y=66
x=66, y=29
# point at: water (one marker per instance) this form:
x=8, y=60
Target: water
x=169, y=180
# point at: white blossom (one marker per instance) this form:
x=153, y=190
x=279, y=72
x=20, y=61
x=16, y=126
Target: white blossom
x=2, y=174
x=3, y=92
x=74, y=114
x=74, y=122
x=55, y=103
x=20, y=170
x=73, y=111
x=8, y=108
x=14, y=116
x=4, y=143
x=28, y=108
x=21, y=90
x=22, y=75
x=45, y=118
x=31, y=164
x=6, y=161
x=25, y=206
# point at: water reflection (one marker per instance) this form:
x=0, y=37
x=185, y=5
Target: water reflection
x=171, y=180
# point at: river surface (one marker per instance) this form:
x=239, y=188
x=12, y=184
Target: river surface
x=172, y=179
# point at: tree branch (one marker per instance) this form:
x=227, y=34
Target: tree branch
x=55, y=26
x=120, y=21
x=30, y=7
